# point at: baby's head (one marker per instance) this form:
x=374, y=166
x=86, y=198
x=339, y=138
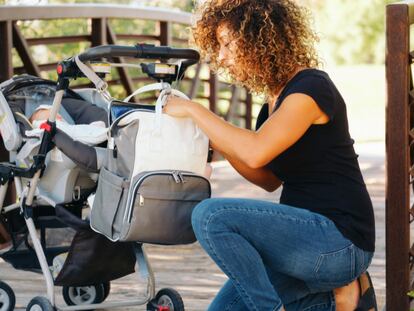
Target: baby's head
x=42, y=113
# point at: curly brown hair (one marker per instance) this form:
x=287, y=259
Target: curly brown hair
x=274, y=39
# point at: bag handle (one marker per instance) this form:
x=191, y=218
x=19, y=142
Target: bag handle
x=161, y=102
x=148, y=88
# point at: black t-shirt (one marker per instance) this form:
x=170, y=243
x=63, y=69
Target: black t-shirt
x=320, y=172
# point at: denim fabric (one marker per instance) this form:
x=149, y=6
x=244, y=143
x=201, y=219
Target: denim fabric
x=275, y=255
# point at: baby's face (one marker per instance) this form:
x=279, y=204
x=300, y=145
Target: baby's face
x=43, y=114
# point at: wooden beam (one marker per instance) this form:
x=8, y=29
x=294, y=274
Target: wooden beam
x=91, y=10
x=98, y=33
x=126, y=80
x=23, y=49
x=213, y=83
x=57, y=40
x=6, y=39
x=165, y=33
x=195, y=83
x=397, y=155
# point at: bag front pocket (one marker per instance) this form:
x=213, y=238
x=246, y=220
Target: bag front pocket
x=161, y=206
x=109, y=202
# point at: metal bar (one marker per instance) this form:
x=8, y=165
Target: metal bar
x=397, y=155
x=6, y=39
x=125, y=79
x=23, y=50
x=42, y=260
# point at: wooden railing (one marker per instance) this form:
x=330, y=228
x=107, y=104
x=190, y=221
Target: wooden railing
x=400, y=155
x=99, y=18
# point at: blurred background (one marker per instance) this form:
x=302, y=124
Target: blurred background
x=352, y=47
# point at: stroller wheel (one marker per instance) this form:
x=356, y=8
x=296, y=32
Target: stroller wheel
x=83, y=295
x=167, y=299
x=107, y=289
x=7, y=298
x=40, y=304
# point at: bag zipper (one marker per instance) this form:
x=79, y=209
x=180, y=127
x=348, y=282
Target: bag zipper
x=178, y=177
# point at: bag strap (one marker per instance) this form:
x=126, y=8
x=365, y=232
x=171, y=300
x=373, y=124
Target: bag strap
x=148, y=88
x=100, y=84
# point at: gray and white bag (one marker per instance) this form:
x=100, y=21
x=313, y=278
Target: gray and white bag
x=152, y=206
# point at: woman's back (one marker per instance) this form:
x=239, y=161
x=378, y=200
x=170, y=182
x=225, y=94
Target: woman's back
x=320, y=171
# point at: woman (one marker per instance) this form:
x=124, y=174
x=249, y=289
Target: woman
x=309, y=251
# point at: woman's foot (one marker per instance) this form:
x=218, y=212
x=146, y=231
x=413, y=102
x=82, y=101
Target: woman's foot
x=347, y=297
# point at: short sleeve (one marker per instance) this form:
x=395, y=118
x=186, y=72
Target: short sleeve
x=320, y=89
x=262, y=116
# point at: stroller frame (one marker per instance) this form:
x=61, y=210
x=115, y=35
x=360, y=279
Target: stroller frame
x=73, y=68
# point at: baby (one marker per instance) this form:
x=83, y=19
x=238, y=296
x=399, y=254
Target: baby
x=90, y=134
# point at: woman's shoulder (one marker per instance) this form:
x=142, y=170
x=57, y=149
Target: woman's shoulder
x=317, y=84
x=310, y=80
x=311, y=74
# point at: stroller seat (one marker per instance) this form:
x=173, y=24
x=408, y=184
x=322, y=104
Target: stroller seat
x=62, y=181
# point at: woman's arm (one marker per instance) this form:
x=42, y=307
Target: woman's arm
x=254, y=149
x=262, y=177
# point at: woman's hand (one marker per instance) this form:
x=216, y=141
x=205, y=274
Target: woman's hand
x=177, y=107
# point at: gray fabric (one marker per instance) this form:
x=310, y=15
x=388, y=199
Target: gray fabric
x=156, y=209
x=84, y=112
x=109, y=200
x=27, y=99
x=163, y=213
x=121, y=160
x=83, y=155
x=101, y=157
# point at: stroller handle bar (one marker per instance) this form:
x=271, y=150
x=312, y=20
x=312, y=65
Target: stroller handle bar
x=140, y=51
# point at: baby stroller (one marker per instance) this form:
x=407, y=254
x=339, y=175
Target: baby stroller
x=52, y=190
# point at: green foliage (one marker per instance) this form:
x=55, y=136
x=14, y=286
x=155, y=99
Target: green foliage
x=351, y=33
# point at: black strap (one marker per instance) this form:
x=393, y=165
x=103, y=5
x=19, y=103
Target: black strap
x=367, y=300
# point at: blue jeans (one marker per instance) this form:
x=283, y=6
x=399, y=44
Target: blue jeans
x=275, y=255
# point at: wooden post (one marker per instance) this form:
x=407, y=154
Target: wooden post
x=23, y=50
x=6, y=39
x=397, y=158
x=213, y=83
x=195, y=83
x=98, y=31
x=165, y=33
x=122, y=71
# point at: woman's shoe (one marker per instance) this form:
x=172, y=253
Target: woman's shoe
x=367, y=299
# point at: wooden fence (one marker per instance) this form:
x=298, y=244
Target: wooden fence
x=400, y=155
x=99, y=18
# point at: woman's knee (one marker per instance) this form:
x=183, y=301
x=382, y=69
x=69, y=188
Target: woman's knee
x=202, y=212
x=204, y=215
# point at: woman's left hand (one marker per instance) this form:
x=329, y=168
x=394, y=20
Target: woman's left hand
x=177, y=107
